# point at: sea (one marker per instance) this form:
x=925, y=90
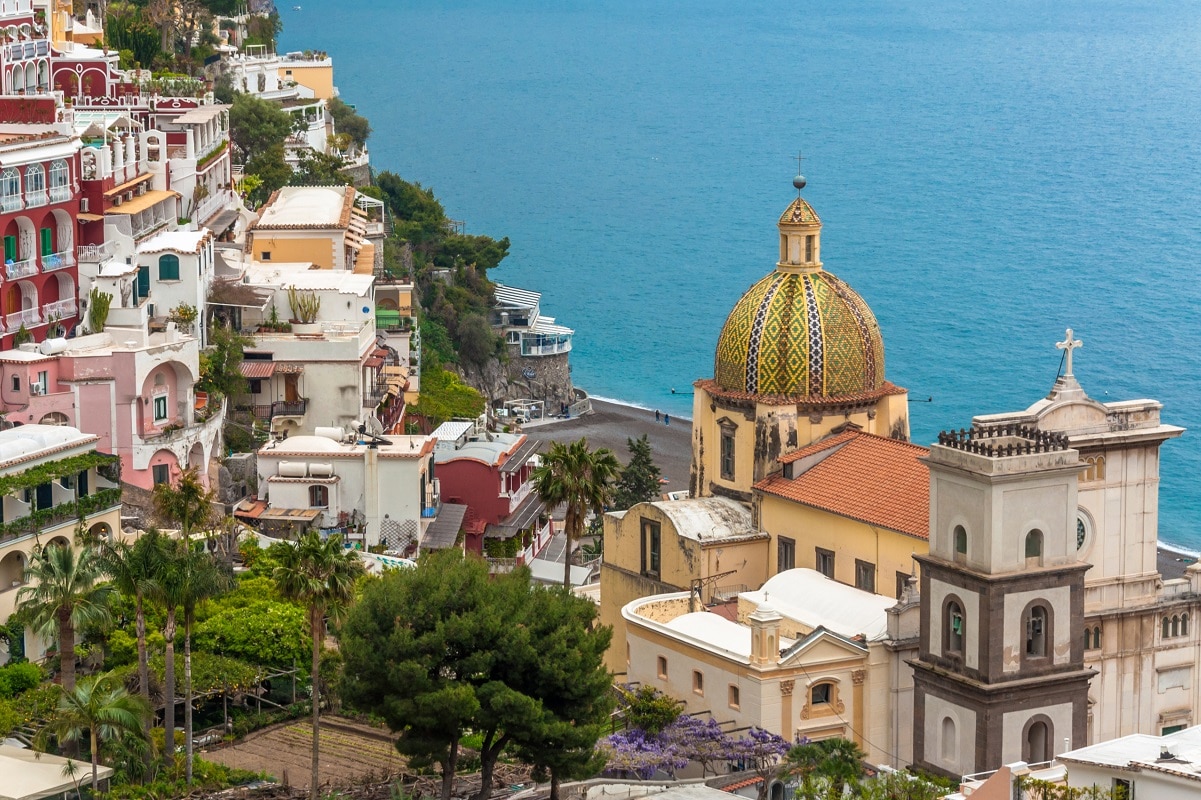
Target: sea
x=988, y=174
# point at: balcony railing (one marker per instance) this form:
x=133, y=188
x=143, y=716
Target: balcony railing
x=282, y=408
x=54, y=261
x=21, y=269
x=94, y=253
x=11, y=202
x=35, y=197
x=60, y=309
x=60, y=194
x=29, y=317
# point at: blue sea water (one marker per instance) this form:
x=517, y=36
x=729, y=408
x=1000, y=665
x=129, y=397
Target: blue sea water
x=988, y=175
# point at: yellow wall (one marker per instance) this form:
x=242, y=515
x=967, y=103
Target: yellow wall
x=682, y=561
x=319, y=78
x=780, y=426
x=316, y=247
x=849, y=539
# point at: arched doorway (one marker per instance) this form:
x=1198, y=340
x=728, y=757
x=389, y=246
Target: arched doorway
x=101, y=530
x=12, y=571
x=59, y=541
x=1037, y=746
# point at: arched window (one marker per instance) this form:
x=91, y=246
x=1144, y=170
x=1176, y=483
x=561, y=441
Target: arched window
x=1184, y=624
x=10, y=190
x=960, y=540
x=949, y=742
x=1036, y=631
x=1175, y=626
x=319, y=496
x=821, y=694
x=35, y=185
x=1088, y=639
x=1167, y=627
x=168, y=268
x=953, y=625
x=1034, y=544
x=1038, y=743
x=1097, y=637
x=60, y=179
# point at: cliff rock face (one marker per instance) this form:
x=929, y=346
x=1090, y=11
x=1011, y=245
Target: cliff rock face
x=545, y=378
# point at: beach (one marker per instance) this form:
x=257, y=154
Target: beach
x=611, y=424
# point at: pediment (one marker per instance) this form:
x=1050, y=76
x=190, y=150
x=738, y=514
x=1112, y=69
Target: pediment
x=821, y=647
x=1074, y=416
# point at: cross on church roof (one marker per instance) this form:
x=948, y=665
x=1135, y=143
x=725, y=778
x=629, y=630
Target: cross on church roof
x=1068, y=346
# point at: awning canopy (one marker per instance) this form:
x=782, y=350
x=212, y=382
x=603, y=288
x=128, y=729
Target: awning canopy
x=219, y=223
x=443, y=532
x=522, y=455
x=373, y=362
x=257, y=370
x=290, y=514
x=148, y=200
x=30, y=775
x=522, y=518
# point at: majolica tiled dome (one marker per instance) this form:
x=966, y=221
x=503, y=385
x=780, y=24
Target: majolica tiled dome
x=800, y=331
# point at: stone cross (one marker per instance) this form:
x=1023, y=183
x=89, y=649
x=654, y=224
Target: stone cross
x=1069, y=345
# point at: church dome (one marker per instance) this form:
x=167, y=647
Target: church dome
x=800, y=331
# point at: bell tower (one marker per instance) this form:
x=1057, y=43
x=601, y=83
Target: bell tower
x=1000, y=674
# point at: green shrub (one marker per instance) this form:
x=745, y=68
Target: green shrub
x=18, y=678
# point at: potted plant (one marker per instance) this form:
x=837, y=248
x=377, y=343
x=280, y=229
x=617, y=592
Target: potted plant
x=305, y=306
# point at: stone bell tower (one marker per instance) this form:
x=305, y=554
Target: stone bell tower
x=1000, y=674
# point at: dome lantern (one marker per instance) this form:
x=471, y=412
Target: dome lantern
x=800, y=238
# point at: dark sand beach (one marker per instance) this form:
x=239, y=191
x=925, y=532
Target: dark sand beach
x=611, y=424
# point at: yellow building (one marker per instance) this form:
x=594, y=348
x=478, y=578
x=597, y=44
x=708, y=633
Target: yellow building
x=678, y=545
x=801, y=656
x=314, y=71
x=799, y=355
x=313, y=224
x=55, y=473
x=853, y=506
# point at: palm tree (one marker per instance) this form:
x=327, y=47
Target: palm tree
x=134, y=570
x=62, y=595
x=101, y=709
x=200, y=579
x=581, y=479
x=168, y=591
x=321, y=574
x=186, y=503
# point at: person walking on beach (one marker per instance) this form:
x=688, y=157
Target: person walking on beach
x=667, y=419
x=656, y=415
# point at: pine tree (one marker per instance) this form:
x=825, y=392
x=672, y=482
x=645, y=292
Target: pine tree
x=639, y=480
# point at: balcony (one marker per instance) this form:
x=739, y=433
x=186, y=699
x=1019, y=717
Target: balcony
x=36, y=197
x=60, y=309
x=55, y=261
x=282, y=408
x=11, y=202
x=94, y=253
x=21, y=269
x=60, y=194
x=29, y=318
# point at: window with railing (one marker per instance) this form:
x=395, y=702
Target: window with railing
x=10, y=190
x=35, y=185
x=60, y=181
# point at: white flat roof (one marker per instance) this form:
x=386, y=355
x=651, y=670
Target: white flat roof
x=30, y=775
x=449, y=431
x=305, y=276
x=708, y=519
x=716, y=630
x=31, y=440
x=520, y=298
x=1185, y=746
x=180, y=241
x=814, y=600
x=309, y=206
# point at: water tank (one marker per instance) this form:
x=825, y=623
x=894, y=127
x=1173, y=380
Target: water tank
x=329, y=432
x=293, y=469
x=321, y=470
x=52, y=346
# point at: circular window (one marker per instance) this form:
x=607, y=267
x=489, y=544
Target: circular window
x=1084, y=529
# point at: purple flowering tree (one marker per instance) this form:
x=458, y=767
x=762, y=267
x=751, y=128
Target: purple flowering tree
x=762, y=752
x=641, y=754
x=702, y=741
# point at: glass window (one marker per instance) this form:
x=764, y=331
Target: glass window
x=60, y=175
x=650, y=548
x=727, y=454
x=734, y=696
x=785, y=554
x=960, y=539
x=319, y=496
x=824, y=562
x=161, y=473
x=1034, y=544
x=821, y=693
x=168, y=268
x=698, y=682
x=10, y=189
x=35, y=185
x=160, y=408
x=865, y=576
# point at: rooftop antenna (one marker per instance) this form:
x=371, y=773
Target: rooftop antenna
x=799, y=180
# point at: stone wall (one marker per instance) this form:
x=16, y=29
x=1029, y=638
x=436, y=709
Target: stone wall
x=545, y=378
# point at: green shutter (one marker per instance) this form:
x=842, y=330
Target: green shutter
x=10, y=248
x=47, y=241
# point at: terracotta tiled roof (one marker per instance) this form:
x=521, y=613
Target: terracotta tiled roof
x=867, y=478
x=848, y=400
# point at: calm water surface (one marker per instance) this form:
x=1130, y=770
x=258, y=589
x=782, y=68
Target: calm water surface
x=989, y=174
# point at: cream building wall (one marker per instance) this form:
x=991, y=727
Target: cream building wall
x=699, y=540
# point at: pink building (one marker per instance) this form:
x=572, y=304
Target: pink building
x=490, y=474
x=133, y=390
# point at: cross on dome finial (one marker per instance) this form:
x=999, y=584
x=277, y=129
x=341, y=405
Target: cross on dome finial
x=799, y=180
x=1068, y=345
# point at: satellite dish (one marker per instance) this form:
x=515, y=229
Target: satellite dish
x=373, y=425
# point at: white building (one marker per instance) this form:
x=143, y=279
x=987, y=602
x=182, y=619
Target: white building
x=1148, y=767
x=384, y=491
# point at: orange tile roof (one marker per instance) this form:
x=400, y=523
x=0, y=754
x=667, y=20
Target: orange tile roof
x=867, y=478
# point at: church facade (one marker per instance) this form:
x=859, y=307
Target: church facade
x=1045, y=617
